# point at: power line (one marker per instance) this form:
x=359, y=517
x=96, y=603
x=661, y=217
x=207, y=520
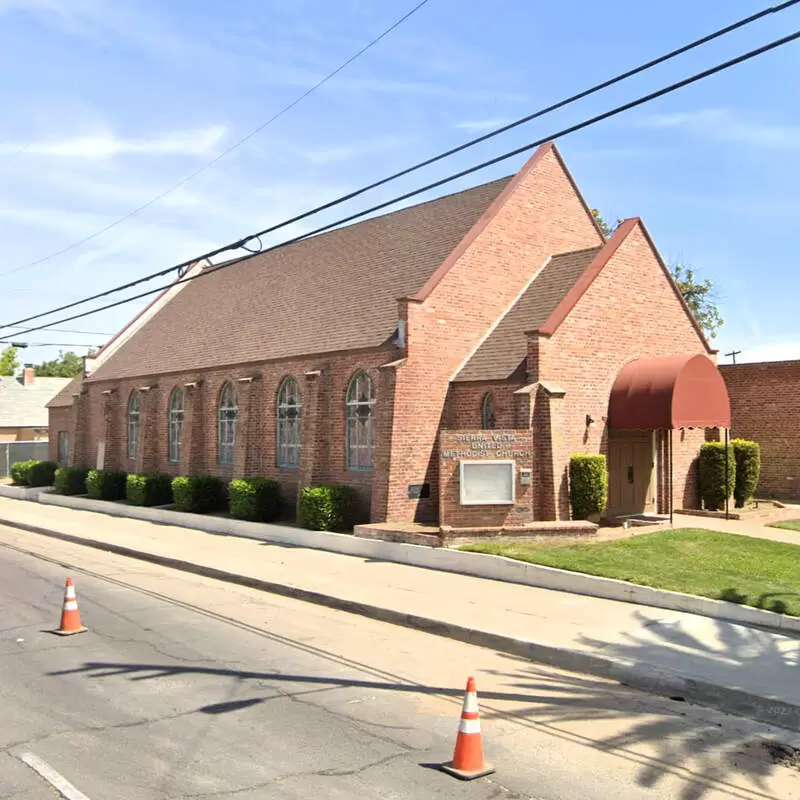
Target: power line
x=70, y=330
x=471, y=143
x=498, y=159
x=28, y=345
x=235, y=146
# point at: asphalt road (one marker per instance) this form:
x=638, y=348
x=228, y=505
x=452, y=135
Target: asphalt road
x=187, y=688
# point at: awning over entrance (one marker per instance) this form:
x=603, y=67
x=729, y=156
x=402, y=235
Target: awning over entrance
x=667, y=393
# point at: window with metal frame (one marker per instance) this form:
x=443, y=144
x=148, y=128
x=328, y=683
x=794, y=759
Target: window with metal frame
x=360, y=413
x=134, y=421
x=226, y=427
x=63, y=447
x=175, y=424
x=290, y=424
x=488, y=420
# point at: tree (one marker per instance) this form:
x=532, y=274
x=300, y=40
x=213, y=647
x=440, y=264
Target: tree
x=67, y=365
x=8, y=361
x=698, y=293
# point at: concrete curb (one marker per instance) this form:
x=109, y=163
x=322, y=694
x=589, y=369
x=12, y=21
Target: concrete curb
x=23, y=492
x=638, y=675
x=477, y=565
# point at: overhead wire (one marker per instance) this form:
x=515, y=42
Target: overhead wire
x=490, y=162
x=235, y=146
x=241, y=243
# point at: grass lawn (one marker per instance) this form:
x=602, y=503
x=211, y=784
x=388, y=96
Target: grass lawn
x=788, y=524
x=740, y=569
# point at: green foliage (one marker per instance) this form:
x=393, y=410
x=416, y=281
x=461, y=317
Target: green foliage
x=148, y=489
x=748, y=470
x=588, y=485
x=106, y=484
x=333, y=507
x=20, y=471
x=712, y=474
x=33, y=473
x=699, y=295
x=42, y=473
x=198, y=493
x=71, y=480
x=8, y=361
x=256, y=499
x=67, y=365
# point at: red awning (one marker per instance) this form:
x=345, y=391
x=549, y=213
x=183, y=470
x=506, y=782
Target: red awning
x=672, y=392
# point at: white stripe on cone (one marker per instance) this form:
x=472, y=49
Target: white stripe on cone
x=471, y=703
x=71, y=605
x=469, y=726
x=70, y=594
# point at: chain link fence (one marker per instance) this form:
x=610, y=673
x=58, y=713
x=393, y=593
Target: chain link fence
x=11, y=452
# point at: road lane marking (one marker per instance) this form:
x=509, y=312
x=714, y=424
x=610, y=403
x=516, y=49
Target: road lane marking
x=58, y=782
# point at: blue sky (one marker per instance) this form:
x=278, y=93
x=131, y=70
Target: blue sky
x=107, y=104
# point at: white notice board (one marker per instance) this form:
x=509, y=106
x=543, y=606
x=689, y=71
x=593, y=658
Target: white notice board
x=487, y=483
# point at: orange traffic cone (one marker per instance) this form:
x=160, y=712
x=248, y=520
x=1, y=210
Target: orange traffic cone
x=70, y=616
x=468, y=760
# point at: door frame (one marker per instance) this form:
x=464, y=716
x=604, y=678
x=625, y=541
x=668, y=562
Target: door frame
x=654, y=482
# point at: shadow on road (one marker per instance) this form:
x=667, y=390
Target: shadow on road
x=664, y=738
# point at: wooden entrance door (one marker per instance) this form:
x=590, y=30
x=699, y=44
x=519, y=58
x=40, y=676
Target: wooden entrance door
x=631, y=488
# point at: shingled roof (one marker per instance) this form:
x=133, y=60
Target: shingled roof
x=64, y=398
x=26, y=406
x=336, y=291
x=503, y=353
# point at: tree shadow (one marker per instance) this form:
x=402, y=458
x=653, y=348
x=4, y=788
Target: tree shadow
x=661, y=736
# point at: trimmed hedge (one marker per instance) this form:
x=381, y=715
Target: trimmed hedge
x=256, y=499
x=106, y=484
x=198, y=493
x=712, y=474
x=748, y=470
x=332, y=507
x=588, y=485
x=20, y=470
x=71, y=480
x=149, y=489
x=42, y=473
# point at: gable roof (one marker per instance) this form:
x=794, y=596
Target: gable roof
x=64, y=397
x=503, y=354
x=335, y=291
x=26, y=406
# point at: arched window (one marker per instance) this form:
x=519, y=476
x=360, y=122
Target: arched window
x=226, y=427
x=360, y=410
x=488, y=420
x=134, y=415
x=290, y=431
x=175, y=424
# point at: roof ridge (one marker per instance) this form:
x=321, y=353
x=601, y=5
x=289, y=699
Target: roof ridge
x=577, y=252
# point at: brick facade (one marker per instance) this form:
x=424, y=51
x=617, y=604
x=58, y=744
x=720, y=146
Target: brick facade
x=765, y=405
x=626, y=308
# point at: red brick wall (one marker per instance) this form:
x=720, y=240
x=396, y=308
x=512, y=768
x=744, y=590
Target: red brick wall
x=465, y=404
x=541, y=215
x=765, y=407
x=629, y=311
x=459, y=445
x=256, y=430
x=59, y=421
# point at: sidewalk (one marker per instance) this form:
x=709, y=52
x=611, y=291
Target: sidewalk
x=732, y=667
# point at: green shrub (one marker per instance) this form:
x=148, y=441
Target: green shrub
x=256, y=499
x=329, y=508
x=198, y=493
x=149, y=489
x=748, y=470
x=42, y=473
x=71, y=480
x=20, y=471
x=712, y=474
x=106, y=484
x=588, y=485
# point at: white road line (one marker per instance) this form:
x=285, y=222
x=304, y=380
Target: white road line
x=60, y=784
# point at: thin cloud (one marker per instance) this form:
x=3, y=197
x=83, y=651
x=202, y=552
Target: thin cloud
x=202, y=142
x=722, y=124
x=478, y=125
